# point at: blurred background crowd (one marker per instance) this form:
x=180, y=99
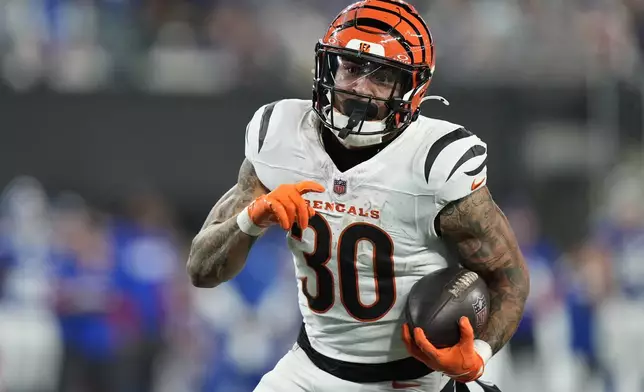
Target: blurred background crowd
x=121, y=123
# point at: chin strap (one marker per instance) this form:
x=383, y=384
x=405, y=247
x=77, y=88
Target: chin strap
x=360, y=111
x=356, y=117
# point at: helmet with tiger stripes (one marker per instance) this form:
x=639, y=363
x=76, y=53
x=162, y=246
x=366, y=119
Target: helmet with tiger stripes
x=387, y=42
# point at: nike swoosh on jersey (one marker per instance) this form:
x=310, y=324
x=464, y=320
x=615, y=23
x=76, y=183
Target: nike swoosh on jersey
x=405, y=385
x=475, y=184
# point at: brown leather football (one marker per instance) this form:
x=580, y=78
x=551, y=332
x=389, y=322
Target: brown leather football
x=438, y=300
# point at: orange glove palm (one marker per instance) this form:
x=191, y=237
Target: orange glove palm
x=462, y=362
x=284, y=205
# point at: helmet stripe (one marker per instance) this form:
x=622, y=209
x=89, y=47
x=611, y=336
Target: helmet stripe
x=417, y=17
x=412, y=11
x=402, y=17
x=404, y=6
x=380, y=25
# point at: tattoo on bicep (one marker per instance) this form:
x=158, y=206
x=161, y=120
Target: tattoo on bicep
x=215, y=253
x=248, y=187
x=478, y=229
x=480, y=232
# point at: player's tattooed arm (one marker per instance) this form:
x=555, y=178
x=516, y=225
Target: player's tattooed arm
x=480, y=231
x=219, y=250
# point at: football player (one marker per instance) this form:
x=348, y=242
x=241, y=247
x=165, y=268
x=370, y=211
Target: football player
x=373, y=197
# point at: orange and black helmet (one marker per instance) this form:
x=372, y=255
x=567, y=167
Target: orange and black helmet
x=378, y=35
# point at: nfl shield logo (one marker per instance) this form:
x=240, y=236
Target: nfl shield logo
x=340, y=187
x=481, y=311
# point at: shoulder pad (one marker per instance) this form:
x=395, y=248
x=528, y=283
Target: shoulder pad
x=455, y=165
x=283, y=117
x=256, y=130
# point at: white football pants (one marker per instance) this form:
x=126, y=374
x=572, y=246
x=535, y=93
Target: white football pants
x=296, y=373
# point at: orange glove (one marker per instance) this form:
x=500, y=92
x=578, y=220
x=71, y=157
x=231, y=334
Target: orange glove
x=463, y=362
x=283, y=205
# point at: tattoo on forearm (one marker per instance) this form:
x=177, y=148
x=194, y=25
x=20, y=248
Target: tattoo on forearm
x=220, y=240
x=487, y=245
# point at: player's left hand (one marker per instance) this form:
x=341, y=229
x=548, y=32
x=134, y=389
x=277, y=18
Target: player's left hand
x=461, y=362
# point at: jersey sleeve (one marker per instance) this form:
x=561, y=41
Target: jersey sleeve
x=456, y=166
x=256, y=131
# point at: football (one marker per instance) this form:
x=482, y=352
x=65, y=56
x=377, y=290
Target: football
x=438, y=300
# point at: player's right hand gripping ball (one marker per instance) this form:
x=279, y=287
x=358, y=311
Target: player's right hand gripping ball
x=441, y=309
x=284, y=205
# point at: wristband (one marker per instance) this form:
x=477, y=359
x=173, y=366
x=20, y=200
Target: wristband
x=483, y=349
x=247, y=226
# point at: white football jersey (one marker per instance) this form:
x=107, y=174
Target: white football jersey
x=373, y=235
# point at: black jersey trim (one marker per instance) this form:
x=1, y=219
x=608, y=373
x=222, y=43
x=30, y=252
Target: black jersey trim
x=473, y=152
x=263, y=128
x=478, y=169
x=404, y=369
x=440, y=145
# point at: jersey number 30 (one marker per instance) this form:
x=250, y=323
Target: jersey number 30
x=347, y=257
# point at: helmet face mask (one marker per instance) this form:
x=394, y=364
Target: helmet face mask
x=350, y=83
x=369, y=81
